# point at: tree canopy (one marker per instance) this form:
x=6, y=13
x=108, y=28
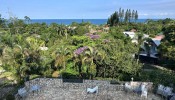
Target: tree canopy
x=80, y=49
x=122, y=16
x=71, y=49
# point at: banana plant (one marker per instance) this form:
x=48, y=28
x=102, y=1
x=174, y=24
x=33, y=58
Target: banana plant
x=86, y=57
x=13, y=62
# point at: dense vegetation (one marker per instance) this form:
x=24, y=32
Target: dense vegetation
x=80, y=50
x=74, y=52
x=167, y=48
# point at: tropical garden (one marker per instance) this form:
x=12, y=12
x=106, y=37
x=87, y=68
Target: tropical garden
x=40, y=50
x=70, y=51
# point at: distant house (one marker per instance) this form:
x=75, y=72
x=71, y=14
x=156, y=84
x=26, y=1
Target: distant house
x=130, y=34
x=92, y=31
x=105, y=29
x=155, y=42
x=152, y=57
x=133, y=36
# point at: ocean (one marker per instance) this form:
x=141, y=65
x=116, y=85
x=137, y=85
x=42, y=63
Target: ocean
x=69, y=21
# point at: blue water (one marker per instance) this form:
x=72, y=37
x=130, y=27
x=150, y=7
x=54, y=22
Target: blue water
x=69, y=21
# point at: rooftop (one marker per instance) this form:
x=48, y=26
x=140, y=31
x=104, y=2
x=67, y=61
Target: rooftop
x=56, y=89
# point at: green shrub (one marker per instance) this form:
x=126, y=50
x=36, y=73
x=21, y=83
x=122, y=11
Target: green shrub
x=157, y=77
x=69, y=73
x=81, y=30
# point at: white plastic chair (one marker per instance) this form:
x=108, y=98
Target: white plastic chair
x=128, y=87
x=92, y=90
x=34, y=88
x=167, y=91
x=144, y=91
x=160, y=89
x=22, y=92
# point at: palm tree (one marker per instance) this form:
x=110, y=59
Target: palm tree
x=88, y=60
x=63, y=31
x=14, y=59
x=99, y=57
x=61, y=55
x=80, y=60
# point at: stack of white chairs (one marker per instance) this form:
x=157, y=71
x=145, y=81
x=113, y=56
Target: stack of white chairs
x=167, y=92
x=164, y=91
x=144, y=91
x=160, y=89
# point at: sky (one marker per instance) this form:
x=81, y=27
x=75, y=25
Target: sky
x=85, y=9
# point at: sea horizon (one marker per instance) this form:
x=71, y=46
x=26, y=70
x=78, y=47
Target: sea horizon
x=69, y=21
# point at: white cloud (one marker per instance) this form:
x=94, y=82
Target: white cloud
x=144, y=14
x=163, y=14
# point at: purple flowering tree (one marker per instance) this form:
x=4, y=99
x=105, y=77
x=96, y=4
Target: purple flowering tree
x=80, y=50
x=92, y=36
x=85, y=55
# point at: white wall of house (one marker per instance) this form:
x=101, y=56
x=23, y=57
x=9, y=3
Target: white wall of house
x=130, y=34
